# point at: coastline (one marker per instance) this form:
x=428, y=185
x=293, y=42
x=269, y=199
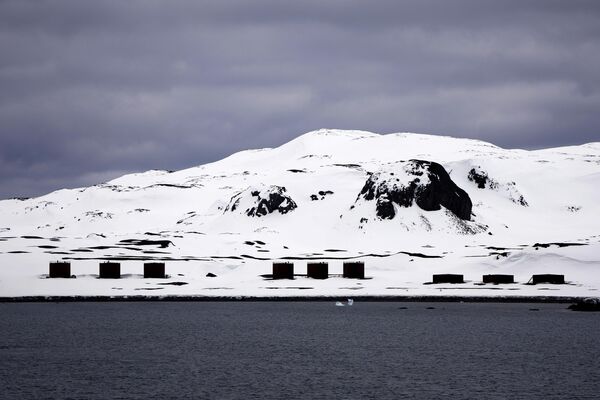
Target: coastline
x=407, y=299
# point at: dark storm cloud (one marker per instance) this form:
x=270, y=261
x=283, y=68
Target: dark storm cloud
x=92, y=90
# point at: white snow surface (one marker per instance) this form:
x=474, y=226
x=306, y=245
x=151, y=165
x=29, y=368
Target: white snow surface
x=85, y=226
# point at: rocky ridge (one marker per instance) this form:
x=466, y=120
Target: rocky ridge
x=424, y=183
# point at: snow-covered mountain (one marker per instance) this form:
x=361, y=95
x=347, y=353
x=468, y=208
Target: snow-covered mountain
x=408, y=204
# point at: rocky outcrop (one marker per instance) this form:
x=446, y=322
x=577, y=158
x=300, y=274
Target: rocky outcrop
x=258, y=202
x=320, y=195
x=483, y=181
x=425, y=183
x=587, y=304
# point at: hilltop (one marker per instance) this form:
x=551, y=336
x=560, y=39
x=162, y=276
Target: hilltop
x=407, y=204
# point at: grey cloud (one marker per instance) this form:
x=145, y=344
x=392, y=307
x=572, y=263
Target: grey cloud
x=92, y=90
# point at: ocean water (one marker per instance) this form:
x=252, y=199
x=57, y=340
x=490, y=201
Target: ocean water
x=297, y=350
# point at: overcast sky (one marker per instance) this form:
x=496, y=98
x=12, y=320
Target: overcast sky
x=91, y=90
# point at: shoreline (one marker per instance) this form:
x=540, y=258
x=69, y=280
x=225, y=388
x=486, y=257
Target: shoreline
x=406, y=299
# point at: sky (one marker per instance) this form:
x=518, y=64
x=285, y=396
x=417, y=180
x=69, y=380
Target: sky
x=92, y=90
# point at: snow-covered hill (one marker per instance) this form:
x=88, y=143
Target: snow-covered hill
x=409, y=205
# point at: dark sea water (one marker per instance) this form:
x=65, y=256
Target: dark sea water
x=296, y=350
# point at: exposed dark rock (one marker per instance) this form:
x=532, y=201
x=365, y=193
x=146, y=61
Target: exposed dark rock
x=321, y=195
x=420, y=255
x=170, y=185
x=385, y=206
x=515, y=196
x=353, y=166
x=211, y=275
x=163, y=244
x=559, y=244
x=588, y=304
x=261, y=202
x=99, y=214
x=484, y=181
x=481, y=178
x=425, y=183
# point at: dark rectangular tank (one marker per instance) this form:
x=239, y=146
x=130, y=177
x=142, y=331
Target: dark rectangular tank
x=110, y=270
x=283, y=270
x=548, y=278
x=59, y=269
x=498, y=278
x=354, y=269
x=317, y=270
x=448, y=278
x=154, y=270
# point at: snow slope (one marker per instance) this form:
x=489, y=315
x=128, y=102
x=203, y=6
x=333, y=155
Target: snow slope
x=526, y=198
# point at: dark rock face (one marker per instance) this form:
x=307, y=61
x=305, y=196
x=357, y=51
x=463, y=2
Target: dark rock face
x=273, y=200
x=425, y=183
x=321, y=195
x=517, y=198
x=481, y=178
x=484, y=181
x=163, y=244
x=264, y=201
x=588, y=304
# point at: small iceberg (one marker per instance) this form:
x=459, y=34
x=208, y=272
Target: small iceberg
x=348, y=303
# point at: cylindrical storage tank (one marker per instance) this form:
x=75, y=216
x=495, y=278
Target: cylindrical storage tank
x=317, y=270
x=110, y=270
x=283, y=270
x=498, y=278
x=448, y=278
x=548, y=278
x=354, y=269
x=154, y=270
x=59, y=269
